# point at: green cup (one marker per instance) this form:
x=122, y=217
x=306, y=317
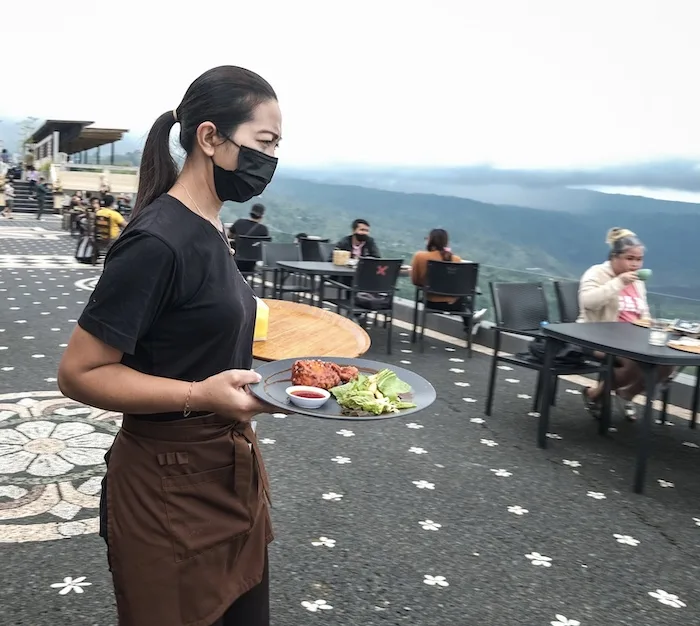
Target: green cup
x=644, y=274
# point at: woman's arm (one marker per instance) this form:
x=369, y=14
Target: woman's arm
x=593, y=294
x=91, y=372
x=417, y=270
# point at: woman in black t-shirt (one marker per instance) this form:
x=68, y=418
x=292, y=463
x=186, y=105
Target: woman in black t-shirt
x=166, y=338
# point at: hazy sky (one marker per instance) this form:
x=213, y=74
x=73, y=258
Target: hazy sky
x=527, y=83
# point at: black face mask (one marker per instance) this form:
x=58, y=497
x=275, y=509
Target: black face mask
x=361, y=237
x=254, y=173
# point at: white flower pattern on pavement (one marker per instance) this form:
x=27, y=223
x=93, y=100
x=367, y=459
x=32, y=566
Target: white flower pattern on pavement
x=561, y=620
x=596, y=495
x=489, y=442
x=345, y=432
x=423, y=484
x=517, y=510
x=502, y=473
x=43, y=448
x=697, y=521
x=439, y=581
x=539, y=559
x=71, y=584
x=316, y=605
x=416, y=450
x=324, y=541
x=268, y=441
x=512, y=381
x=414, y=426
x=571, y=463
x=666, y=484
x=669, y=599
x=333, y=496
x=477, y=420
x=627, y=540
x=341, y=460
x=690, y=444
x=469, y=400
x=430, y=525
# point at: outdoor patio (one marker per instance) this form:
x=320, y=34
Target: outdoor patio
x=442, y=518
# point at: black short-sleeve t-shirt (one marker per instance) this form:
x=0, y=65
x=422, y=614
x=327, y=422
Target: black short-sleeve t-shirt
x=171, y=298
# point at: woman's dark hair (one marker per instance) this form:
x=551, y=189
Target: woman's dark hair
x=620, y=239
x=226, y=96
x=438, y=240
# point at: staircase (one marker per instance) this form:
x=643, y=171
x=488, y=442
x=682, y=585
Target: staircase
x=24, y=203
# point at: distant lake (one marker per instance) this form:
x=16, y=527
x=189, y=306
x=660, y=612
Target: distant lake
x=660, y=194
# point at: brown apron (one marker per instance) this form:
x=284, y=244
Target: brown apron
x=187, y=519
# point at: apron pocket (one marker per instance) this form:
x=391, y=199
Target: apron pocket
x=204, y=510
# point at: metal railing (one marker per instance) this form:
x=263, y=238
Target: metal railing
x=661, y=304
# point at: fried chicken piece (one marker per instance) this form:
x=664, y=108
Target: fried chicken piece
x=347, y=372
x=322, y=374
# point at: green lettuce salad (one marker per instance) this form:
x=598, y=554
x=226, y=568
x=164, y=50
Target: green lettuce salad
x=375, y=394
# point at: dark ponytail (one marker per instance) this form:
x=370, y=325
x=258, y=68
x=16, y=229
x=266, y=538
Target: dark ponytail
x=226, y=96
x=158, y=171
x=438, y=240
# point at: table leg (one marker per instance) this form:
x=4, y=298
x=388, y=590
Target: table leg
x=546, y=393
x=696, y=397
x=321, y=290
x=605, y=414
x=644, y=443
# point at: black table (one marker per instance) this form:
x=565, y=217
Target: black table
x=614, y=339
x=317, y=268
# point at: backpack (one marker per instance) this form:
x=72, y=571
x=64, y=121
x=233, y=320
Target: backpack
x=85, y=252
x=567, y=354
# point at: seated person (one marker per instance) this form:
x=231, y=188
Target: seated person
x=437, y=249
x=611, y=292
x=250, y=227
x=117, y=223
x=359, y=243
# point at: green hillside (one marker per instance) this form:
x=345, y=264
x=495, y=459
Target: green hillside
x=518, y=238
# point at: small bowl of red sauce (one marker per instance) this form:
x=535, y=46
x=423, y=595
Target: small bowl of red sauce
x=307, y=397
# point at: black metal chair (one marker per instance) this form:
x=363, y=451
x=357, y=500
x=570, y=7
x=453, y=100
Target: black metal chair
x=519, y=309
x=371, y=290
x=445, y=278
x=566, y=292
x=248, y=254
x=283, y=281
x=318, y=250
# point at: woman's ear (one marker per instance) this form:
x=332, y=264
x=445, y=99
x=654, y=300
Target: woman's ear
x=207, y=138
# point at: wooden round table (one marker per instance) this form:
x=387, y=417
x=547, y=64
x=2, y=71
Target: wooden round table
x=300, y=330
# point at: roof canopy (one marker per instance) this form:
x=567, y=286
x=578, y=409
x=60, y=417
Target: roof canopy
x=77, y=136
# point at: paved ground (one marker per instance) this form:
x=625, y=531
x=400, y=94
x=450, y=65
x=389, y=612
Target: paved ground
x=440, y=519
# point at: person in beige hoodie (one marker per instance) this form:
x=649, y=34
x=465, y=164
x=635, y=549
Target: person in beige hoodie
x=612, y=292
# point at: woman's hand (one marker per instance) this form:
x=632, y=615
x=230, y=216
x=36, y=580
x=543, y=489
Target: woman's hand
x=226, y=394
x=628, y=277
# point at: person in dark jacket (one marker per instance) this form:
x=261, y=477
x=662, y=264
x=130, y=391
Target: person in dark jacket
x=250, y=227
x=41, y=191
x=359, y=244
